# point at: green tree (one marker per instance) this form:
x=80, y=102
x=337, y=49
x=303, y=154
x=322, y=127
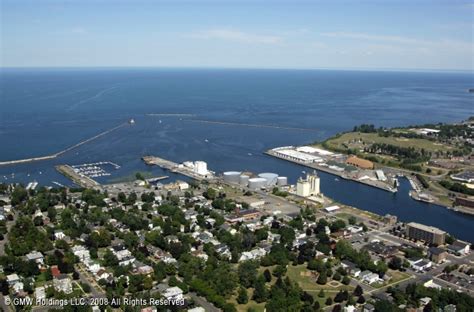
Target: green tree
x=322, y=278
x=260, y=293
x=242, y=297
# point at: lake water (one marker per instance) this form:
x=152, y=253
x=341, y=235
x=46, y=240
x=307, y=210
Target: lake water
x=43, y=111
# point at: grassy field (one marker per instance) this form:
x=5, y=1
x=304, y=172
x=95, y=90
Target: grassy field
x=301, y=275
x=351, y=140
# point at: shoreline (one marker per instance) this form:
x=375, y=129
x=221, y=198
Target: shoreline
x=333, y=172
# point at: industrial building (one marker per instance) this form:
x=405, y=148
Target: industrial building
x=272, y=178
x=257, y=183
x=291, y=154
x=425, y=233
x=198, y=167
x=232, y=177
x=309, y=186
x=359, y=162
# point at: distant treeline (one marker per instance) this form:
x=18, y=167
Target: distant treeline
x=457, y=187
x=409, y=155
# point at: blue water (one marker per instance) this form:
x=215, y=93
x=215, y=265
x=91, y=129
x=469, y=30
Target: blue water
x=43, y=111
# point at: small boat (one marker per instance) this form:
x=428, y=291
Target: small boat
x=206, y=140
x=336, y=179
x=159, y=121
x=250, y=154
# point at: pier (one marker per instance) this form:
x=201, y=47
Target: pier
x=55, y=155
x=376, y=184
x=227, y=123
x=175, y=168
x=77, y=178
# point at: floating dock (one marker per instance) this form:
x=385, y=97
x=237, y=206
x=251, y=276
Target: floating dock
x=77, y=178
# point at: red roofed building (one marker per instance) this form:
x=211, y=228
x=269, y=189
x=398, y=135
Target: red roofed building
x=55, y=271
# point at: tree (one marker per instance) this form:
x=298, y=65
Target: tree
x=361, y=300
x=322, y=278
x=242, y=297
x=260, y=293
x=339, y=297
x=358, y=291
x=395, y=263
x=321, y=293
x=267, y=275
x=247, y=273
x=328, y=301
x=346, y=280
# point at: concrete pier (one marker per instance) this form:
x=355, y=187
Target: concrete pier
x=174, y=167
x=77, y=178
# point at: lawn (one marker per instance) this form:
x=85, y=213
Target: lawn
x=301, y=275
x=351, y=139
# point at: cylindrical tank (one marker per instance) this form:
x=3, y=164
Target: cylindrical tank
x=282, y=181
x=270, y=177
x=257, y=183
x=232, y=177
x=244, y=180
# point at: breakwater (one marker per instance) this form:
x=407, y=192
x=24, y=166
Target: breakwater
x=55, y=155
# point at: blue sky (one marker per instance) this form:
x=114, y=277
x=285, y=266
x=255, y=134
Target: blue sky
x=354, y=34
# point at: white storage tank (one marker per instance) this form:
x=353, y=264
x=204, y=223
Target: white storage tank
x=244, y=180
x=270, y=177
x=232, y=177
x=282, y=181
x=257, y=183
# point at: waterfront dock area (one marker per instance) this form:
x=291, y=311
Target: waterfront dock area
x=175, y=168
x=337, y=172
x=76, y=177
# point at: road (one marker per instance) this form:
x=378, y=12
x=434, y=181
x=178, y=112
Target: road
x=209, y=307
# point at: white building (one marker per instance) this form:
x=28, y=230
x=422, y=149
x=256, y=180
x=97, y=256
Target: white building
x=173, y=293
x=310, y=186
x=200, y=167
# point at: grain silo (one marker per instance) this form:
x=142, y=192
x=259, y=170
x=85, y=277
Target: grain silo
x=282, y=181
x=257, y=183
x=232, y=177
x=270, y=177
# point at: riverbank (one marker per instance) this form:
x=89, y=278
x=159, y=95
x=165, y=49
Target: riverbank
x=341, y=174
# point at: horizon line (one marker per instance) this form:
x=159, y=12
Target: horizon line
x=380, y=69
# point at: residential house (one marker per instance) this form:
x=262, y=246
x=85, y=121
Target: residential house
x=437, y=255
x=35, y=256
x=40, y=293
x=369, y=277
x=12, y=279
x=420, y=265
x=63, y=284
x=459, y=247
x=350, y=268
x=173, y=293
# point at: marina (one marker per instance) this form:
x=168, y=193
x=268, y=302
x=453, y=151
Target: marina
x=95, y=170
x=77, y=178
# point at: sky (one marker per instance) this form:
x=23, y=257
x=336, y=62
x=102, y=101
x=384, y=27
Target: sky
x=384, y=34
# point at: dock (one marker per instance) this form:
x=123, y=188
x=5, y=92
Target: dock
x=343, y=175
x=174, y=167
x=77, y=178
